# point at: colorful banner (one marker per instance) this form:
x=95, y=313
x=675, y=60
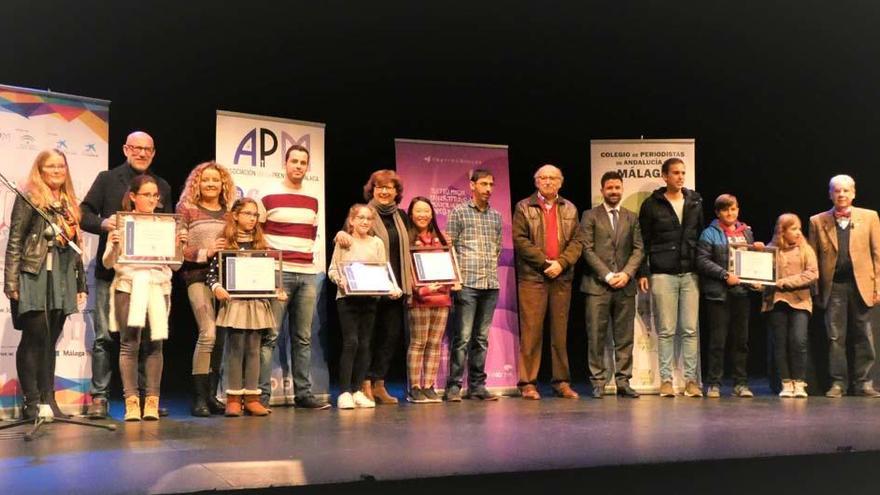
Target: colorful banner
x=32, y=121
x=440, y=171
x=639, y=161
x=253, y=148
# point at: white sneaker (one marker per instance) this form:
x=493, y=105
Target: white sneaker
x=345, y=401
x=787, y=389
x=800, y=389
x=361, y=400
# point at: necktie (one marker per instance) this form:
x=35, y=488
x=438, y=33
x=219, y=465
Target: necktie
x=614, y=220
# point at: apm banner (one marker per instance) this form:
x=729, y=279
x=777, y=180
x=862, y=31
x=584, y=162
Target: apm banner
x=639, y=161
x=440, y=171
x=31, y=121
x=252, y=147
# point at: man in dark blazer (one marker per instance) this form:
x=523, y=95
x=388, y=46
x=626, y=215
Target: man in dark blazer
x=846, y=240
x=99, y=209
x=613, y=251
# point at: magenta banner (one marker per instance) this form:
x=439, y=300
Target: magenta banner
x=440, y=171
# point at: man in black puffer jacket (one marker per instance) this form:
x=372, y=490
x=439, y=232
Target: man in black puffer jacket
x=671, y=220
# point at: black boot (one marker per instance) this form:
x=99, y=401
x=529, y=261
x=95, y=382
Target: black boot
x=49, y=399
x=30, y=408
x=29, y=388
x=200, y=390
x=214, y=404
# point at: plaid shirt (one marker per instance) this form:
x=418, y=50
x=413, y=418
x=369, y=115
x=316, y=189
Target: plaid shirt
x=476, y=237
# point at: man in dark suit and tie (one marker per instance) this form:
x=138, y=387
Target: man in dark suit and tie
x=613, y=250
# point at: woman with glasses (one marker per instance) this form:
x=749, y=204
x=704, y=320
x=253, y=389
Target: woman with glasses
x=45, y=281
x=204, y=205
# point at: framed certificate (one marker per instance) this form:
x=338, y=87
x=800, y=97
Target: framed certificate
x=434, y=265
x=753, y=266
x=149, y=238
x=250, y=273
x=365, y=278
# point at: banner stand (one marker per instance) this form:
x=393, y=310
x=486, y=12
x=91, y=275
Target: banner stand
x=33, y=120
x=639, y=162
x=252, y=147
x=440, y=171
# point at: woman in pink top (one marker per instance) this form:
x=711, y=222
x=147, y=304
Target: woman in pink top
x=429, y=309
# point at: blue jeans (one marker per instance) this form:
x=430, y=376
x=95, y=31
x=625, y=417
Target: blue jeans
x=470, y=341
x=789, y=327
x=299, y=308
x=101, y=370
x=676, y=313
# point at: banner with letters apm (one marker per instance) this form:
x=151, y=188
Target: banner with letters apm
x=639, y=162
x=253, y=148
x=440, y=171
x=32, y=121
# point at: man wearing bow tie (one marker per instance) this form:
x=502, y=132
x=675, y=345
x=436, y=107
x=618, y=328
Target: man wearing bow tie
x=846, y=240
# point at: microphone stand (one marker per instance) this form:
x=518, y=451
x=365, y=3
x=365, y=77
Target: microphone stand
x=45, y=414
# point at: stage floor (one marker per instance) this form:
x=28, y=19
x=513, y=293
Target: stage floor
x=302, y=447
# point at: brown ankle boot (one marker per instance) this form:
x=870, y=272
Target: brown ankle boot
x=253, y=406
x=381, y=396
x=233, y=405
x=367, y=389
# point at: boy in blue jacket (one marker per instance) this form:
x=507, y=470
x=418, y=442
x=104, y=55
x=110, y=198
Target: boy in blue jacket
x=727, y=299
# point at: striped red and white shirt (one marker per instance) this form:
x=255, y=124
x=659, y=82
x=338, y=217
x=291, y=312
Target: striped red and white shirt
x=290, y=225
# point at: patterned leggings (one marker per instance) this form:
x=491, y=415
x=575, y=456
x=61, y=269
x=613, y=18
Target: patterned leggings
x=426, y=327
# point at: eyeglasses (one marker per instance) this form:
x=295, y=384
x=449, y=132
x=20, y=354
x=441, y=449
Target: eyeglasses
x=148, y=195
x=147, y=150
x=385, y=188
x=251, y=214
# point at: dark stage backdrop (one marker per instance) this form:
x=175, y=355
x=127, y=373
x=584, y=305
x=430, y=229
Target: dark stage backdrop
x=779, y=96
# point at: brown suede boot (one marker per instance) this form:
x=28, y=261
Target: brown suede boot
x=233, y=405
x=380, y=395
x=253, y=406
x=367, y=389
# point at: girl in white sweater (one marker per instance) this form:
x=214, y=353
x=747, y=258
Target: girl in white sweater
x=139, y=304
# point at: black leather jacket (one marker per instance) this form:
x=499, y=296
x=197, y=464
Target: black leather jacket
x=27, y=247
